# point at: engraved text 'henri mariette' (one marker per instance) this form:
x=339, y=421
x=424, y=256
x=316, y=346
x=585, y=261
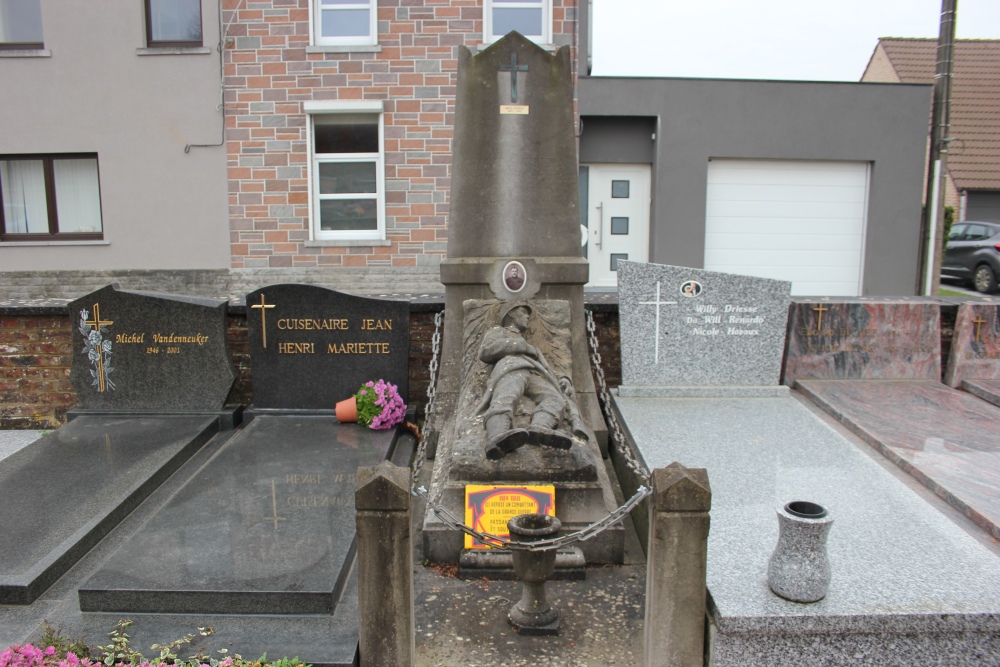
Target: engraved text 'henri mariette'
x=332, y=324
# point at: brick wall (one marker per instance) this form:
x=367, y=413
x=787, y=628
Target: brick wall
x=35, y=360
x=269, y=74
x=36, y=356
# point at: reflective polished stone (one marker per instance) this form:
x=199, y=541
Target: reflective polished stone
x=265, y=527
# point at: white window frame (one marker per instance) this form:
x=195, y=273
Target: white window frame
x=546, y=6
x=324, y=108
x=316, y=9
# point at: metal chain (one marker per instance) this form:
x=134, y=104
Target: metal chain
x=503, y=543
x=431, y=397
x=609, y=414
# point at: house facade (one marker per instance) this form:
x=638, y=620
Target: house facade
x=214, y=146
x=972, y=184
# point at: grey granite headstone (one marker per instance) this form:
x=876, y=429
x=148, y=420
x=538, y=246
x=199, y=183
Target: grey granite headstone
x=139, y=351
x=312, y=346
x=688, y=330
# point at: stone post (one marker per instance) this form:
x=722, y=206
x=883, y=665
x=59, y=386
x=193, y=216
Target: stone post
x=385, y=566
x=675, y=569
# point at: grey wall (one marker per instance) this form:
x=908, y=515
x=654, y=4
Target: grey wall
x=700, y=119
x=984, y=206
x=162, y=208
x=623, y=140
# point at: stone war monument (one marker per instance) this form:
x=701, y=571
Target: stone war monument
x=152, y=374
x=516, y=402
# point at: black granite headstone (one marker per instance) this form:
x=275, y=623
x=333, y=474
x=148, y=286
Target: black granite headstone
x=136, y=351
x=311, y=346
x=266, y=527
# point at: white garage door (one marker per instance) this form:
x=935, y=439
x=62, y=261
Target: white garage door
x=791, y=220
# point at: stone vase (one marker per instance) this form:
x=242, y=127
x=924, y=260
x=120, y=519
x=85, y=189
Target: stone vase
x=799, y=569
x=532, y=615
x=347, y=410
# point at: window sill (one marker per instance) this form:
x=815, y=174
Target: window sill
x=175, y=51
x=25, y=53
x=21, y=244
x=324, y=243
x=344, y=48
x=479, y=48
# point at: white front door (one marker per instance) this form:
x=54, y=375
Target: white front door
x=617, y=219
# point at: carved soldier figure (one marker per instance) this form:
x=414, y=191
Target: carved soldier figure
x=521, y=372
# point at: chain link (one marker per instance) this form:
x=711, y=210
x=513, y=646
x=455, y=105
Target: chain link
x=618, y=438
x=503, y=543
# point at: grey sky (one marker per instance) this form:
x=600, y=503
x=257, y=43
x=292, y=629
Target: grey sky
x=829, y=40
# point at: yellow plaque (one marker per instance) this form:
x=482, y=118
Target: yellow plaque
x=488, y=507
x=515, y=109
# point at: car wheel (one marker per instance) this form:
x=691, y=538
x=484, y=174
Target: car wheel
x=984, y=280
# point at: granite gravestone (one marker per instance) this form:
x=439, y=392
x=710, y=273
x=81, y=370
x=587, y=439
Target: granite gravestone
x=975, y=347
x=147, y=368
x=137, y=351
x=690, y=329
x=863, y=339
x=312, y=346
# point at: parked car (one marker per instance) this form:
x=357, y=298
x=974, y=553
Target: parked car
x=973, y=255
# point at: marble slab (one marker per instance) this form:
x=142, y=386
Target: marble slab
x=311, y=346
x=61, y=494
x=946, y=439
x=909, y=586
x=988, y=390
x=863, y=339
x=975, y=345
x=139, y=351
x=265, y=527
x=690, y=327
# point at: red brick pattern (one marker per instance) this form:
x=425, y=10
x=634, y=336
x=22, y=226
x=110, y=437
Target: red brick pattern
x=268, y=75
x=35, y=360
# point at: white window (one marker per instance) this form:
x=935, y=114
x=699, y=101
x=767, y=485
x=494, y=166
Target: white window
x=531, y=18
x=49, y=196
x=347, y=190
x=345, y=22
x=20, y=24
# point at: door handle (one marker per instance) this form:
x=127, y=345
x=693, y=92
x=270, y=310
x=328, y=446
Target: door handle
x=599, y=229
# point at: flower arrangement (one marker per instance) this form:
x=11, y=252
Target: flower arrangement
x=379, y=405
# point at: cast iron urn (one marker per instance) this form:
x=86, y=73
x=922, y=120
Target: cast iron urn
x=799, y=569
x=532, y=615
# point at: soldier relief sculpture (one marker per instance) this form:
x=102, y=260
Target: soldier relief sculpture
x=522, y=397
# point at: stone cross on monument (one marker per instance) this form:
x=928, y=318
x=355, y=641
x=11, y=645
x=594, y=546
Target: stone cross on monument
x=657, y=303
x=513, y=68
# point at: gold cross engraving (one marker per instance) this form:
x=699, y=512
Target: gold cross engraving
x=274, y=508
x=97, y=323
x=263, y=308
x=979, y=323
x=819, y=320
x=657, y=303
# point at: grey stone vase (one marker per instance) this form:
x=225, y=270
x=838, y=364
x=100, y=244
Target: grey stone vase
x=799, y=569
x=532, y=615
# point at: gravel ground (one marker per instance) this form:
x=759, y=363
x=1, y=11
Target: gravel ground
x=462, y=623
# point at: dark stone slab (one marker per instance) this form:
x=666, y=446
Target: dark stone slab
x=62, y=494
x=863, y=339
x=946, y=439
x=311, y=346
x=143, y=351
x=266, y=527
x=975, y=346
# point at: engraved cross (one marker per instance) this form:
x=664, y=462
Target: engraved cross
x=820, y=309
x=979, y=323
x=657, y=303
x=274, y=508
x=97, y=323
x=263, y=308
x=513, y=69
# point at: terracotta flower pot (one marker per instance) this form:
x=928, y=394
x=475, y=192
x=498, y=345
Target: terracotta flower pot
x=347, y=410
